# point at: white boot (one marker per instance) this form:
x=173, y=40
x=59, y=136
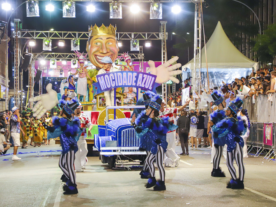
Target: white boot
x=14, y=158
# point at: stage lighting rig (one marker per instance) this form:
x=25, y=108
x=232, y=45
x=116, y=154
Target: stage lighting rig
x=176, y=9
x=120, y=44
x=90, y=8
x=148, y=44
x=42, y=62
x=32, y=8
x=53, y=63
x=134, y=45
x=69, y=9
x=47, y=44
x=32, y=43
x=115, y=10
x=74, y=63
x=155, y=10
x=6, y=6
x=135, y=8
x=61, y=43
x=75, y=44
x=50, y=7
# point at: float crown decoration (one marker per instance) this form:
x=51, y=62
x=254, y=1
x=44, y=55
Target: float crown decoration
x=103, y=30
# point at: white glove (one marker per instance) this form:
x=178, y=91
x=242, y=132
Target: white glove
x=45, y=102
x=165, y=72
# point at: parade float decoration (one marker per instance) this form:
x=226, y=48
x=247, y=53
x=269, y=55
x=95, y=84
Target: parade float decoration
x=113, y=133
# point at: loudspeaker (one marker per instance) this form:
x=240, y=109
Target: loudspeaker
x=37, y=76
x=27, y=61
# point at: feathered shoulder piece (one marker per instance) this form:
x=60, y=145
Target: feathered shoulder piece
x=240, y=125
x=141, y=118
x=59, y=122
x=217, y=116
x=76, y=121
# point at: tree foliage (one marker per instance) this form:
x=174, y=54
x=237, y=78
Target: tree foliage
x=265, y=45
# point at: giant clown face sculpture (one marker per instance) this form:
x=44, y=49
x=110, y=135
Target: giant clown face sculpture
x=102, y=42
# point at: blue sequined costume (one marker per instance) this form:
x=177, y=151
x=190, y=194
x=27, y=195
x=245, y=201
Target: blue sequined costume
x=152, y=130
x=228, y=129
x=67, y=130
x=216, y=117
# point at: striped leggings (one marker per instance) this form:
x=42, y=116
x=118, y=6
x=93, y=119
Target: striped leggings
x=236, y=154
x=66, y=164
x=217, y=157
x=159, y=157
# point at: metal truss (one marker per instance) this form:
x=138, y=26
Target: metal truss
x=136, y=1
x=33, y=34
x=69, y=56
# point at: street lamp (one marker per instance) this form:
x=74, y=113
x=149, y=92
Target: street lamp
x=260, y=28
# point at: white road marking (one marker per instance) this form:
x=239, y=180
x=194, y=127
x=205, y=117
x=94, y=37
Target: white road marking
x=58, y=197
x=186, y=162
x=261, y=194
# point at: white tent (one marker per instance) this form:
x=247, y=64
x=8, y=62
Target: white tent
x=222, y=54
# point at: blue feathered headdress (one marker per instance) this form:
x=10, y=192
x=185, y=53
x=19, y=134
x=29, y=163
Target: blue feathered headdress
x=69, y=106
x=147, y=96
x=217, y=116
x=235, y=105
x=155, y=102
x=218, y=97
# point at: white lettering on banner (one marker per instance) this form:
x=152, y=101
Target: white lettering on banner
x=134, y=79
x=116, y=79
x=129, y=79
x=151, y=83
x=124, y=79
x=145, y=78
x=102, y=83
x=112, y=80
x=139, y=82
x=106, y=77
x=120, y=81
x=148, y=82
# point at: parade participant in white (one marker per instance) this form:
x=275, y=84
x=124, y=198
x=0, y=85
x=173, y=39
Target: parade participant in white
x=171, y=159
x=244, y=116
x=81, y=158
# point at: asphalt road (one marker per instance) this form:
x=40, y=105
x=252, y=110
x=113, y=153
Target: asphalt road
x=35, y=181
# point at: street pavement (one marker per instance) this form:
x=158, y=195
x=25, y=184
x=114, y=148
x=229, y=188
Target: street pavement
x=35, y=181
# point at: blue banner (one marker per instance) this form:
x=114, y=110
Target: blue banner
x=108, y=81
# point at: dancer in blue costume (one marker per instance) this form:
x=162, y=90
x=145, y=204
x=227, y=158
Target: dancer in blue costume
x=216, y=117
x=231, y=129
x=150, y=127
x=67, y=128
x=145, y=141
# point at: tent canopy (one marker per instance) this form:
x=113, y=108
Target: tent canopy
x=222, y=54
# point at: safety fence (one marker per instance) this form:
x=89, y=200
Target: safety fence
x=262, y=138
x=261, y=108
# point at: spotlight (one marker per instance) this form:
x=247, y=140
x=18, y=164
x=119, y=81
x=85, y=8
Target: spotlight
x=120, y=44
x=134, y=8
x=188, y=33
x=61, y=43
x=52, y=29
x=148, y=44
x=90, y=8
x=64, y=62
x=176, y=9
x=32, y=43
x=42, y=62
x=6, y=6
x=50, y=7
x=173, y=33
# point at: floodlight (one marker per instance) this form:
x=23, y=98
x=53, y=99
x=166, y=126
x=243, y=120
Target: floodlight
x=61, y=43
x=32, y=43
x=6, y=6
x=188, y=33
x=90, y=8
x=134, y=8
x=64, y=62
x=52, y=29
x=120, y=44
x=176, y=9
x=50, y=7
x=42, y=62
x=148, y=44
x=173, y=33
